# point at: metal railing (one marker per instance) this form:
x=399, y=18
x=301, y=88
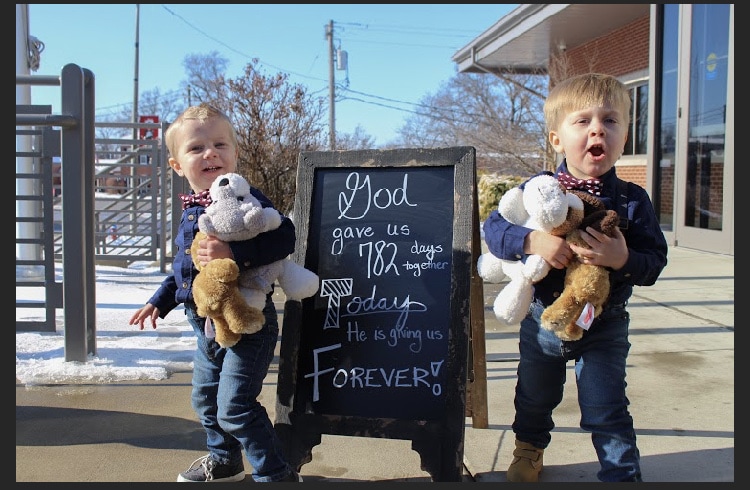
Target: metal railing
x=83, y=201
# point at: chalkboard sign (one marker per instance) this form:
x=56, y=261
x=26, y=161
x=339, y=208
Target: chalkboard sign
x=381, y=349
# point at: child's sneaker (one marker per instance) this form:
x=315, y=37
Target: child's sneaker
x=205, y=469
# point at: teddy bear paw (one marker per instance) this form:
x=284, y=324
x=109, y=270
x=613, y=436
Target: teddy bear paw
x=563, y=330
x=252, y=321
x=571, y=332
x=227, y=339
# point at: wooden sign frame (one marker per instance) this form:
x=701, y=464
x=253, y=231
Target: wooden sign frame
x=436, y=425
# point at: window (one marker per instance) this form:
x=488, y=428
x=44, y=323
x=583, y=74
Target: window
x=636, y=145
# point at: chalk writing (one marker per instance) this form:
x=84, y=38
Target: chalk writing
x=382, y=337
x=358, y=188
x=372, y=304
x=360, y=377
x=334, y=289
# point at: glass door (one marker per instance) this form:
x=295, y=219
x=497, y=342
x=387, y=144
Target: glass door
x=704, y=210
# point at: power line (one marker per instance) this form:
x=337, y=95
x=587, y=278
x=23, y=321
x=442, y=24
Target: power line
x=411, y=29
x=236, y=50
x=466, y=33
x=440, y=32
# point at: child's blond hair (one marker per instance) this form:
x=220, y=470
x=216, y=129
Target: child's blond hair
x=581, y=91
x=200, y=112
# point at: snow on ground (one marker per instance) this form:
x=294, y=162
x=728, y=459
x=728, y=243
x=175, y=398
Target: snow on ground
x=123, y=352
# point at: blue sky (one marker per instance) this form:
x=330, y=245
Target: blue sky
x=397, y=54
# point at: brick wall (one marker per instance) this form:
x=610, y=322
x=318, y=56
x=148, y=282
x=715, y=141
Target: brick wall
x=616, y=53
x=666, y=188
x=633, y=173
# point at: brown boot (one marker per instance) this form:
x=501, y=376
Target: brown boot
x=527, y=463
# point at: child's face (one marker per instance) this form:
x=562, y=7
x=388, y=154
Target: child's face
x=204, y=151
x=592, y=140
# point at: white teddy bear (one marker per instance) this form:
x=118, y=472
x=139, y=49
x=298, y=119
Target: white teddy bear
x=544, y=205
x=235, y=214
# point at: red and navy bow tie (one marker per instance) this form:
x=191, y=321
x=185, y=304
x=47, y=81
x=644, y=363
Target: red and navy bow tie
x=192, y=199
x=592, y=186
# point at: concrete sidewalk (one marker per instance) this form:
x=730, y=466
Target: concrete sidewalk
x=680, y=382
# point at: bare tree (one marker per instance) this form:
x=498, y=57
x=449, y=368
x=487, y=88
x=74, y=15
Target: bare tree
x=560, y=66
x=358, y=140
x=167, y=106
x=500, y=116
x=275, y=121
x=205, y=77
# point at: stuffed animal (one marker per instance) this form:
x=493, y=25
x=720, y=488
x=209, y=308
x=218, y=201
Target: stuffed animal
x=235, y=214
x=586, y=286
x=544, y=204
x=218, y=298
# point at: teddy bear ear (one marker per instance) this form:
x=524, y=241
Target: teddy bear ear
x=511, y=206
x=240, y=186
x=218, y=183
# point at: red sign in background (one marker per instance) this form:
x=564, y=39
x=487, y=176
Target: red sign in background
x=148, y=133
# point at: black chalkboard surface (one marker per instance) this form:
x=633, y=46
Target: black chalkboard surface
x=381, y=349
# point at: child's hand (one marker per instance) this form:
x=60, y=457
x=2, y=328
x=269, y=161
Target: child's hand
x=140, y=316
x=553, y=249
x=605, y=250
x=212, y=248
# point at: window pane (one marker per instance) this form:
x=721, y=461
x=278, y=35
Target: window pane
x=706, y=119
x=629, y=142
x=666, y=130
x=641, y=120
x=638, y=121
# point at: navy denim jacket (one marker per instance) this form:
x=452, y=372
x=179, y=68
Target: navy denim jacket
x=646, y=244
x=264, y=249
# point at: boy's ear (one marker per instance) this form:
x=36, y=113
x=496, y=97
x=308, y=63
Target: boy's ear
x=175, y=166
x=554, y=140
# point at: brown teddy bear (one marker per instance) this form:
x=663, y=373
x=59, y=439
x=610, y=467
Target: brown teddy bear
x=584, y=283
x=217, y=297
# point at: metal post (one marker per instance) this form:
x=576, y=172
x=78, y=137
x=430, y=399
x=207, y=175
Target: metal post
x=79, y=278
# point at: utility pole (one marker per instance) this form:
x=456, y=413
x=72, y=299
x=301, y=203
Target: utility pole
x=331, y=88
x=135, y=76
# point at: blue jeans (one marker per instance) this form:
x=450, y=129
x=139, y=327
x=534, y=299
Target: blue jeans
x=226, y=385
x=600, y=358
